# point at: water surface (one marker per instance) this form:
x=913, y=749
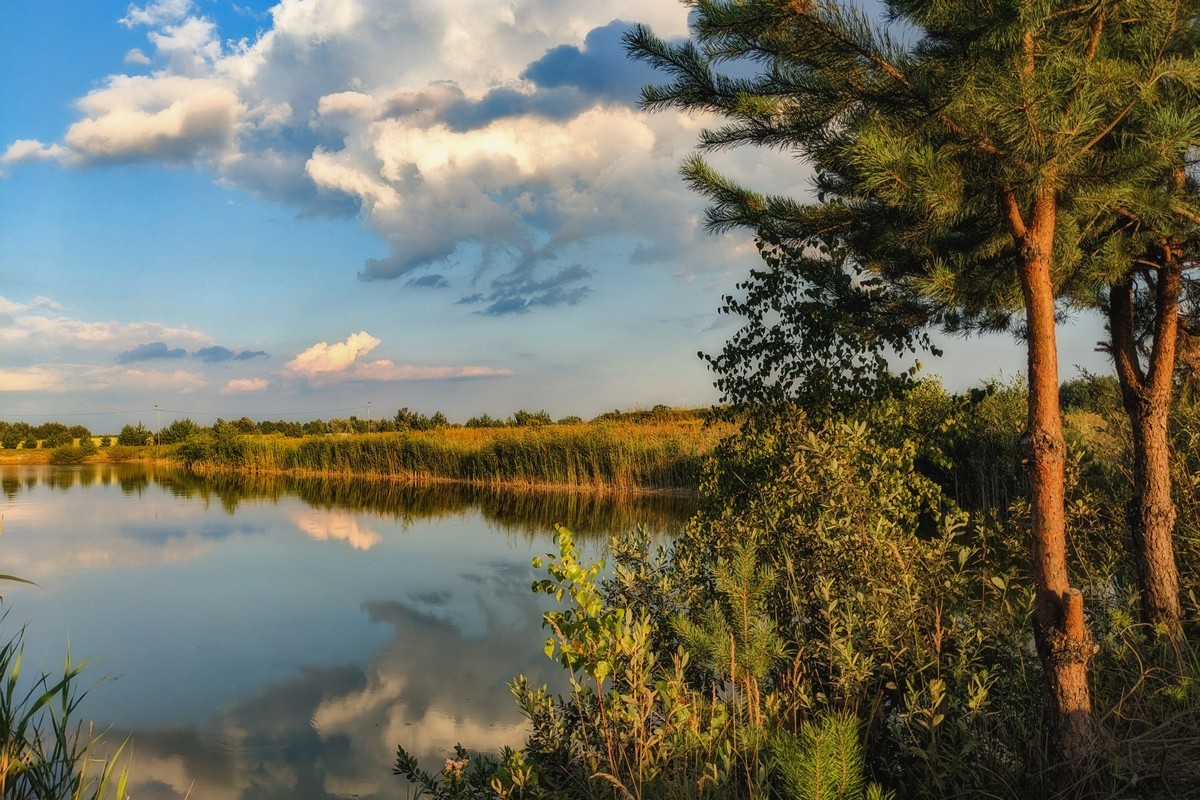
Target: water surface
x=267, y=638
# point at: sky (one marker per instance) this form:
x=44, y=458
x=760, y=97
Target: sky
x=322, y=208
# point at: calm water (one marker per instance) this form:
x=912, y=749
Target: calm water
x=277, y=638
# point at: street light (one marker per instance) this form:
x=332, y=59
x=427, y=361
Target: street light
x=157, y=426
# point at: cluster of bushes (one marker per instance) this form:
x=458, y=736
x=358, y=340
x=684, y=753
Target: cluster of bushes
x=851, y=607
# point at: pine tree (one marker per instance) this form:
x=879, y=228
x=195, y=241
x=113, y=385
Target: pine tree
x=970, y=164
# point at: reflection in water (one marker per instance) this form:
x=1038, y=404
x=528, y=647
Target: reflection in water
x=254, y=662
x=336, y=525
x=531, y=513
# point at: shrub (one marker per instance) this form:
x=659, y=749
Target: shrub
x=30, y=443
x=120, y=452
x=67, y=454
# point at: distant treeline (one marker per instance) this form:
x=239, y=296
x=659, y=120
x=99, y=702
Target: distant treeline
x=55, y=434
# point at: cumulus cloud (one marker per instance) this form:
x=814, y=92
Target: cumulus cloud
x=452, y=129
x=245, y=385
x=136, y=56
x=325, y=363
x=161, y=118
x=149, y=352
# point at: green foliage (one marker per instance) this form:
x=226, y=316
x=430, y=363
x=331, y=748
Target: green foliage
x=68, y=454
x=523, y=418
x=30, y=443
x=178, y=431
x=823, y=761
x=406, y=420
x=816, y=332
x=134, y=436
x=45, y=753
x=106, y=441
x=120, y=452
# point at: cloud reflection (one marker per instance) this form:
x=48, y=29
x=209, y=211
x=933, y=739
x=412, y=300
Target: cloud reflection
x=326, y=525
x=332, y=732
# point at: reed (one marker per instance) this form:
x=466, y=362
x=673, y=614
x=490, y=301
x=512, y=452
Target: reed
x=617, y=456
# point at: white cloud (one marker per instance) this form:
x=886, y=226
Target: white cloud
x=325, y=363
x=325, y=357
x=156, y=13
x=136, y=56
x=31, y=150
x=155, y=118
x=424, y=115
x=336, y=525
x=63, y=378
x=38, y=332
x=245, y=385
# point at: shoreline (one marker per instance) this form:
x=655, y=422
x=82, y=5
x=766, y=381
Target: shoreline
x=40, y=457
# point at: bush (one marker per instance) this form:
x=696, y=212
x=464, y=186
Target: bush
x=30, y=443
x=106, y=441
x=120, y=452
x=67, y=454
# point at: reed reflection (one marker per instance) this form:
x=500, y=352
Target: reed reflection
x=529, y=513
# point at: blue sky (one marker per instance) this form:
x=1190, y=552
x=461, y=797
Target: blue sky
x=294, y=209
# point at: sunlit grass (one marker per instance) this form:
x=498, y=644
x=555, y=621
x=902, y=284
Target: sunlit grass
x=619, y=456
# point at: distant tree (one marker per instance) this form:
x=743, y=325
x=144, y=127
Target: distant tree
x=30, y=443
x=178, y=431
x=484, y=420
x=54, y=434
x=571, y=420
x=523, y=418
x=416, y=421
x=134, y=436
x=80, y=432
x=315, y=427
x=106, y=441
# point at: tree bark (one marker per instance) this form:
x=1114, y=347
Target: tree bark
x=1146, y=396
x=1064, y=643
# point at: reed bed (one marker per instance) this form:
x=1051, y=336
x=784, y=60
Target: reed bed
x=615, y=456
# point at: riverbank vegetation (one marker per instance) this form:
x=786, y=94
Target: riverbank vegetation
x=855, y=598
x=659, y=449
x=46, y=753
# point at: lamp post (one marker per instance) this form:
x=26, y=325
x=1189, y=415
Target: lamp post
x=157, y=426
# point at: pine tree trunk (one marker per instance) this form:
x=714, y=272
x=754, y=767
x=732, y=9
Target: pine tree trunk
x=1063, y=641
x=1147, y=400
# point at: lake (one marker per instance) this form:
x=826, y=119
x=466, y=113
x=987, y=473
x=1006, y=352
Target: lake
x=277, y=638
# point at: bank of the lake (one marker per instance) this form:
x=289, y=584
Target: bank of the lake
x=598, y=457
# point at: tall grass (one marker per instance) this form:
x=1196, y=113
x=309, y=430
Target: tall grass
x=44, y=753
x=614, y=456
